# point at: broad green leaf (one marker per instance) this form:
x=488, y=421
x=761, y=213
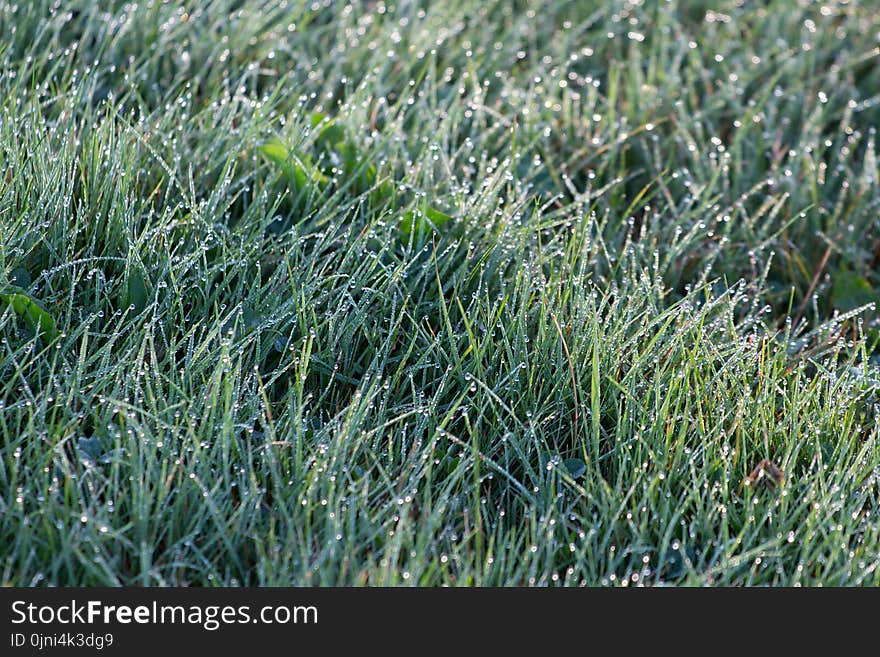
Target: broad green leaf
x=851, y=291
x=330, y=132
x=32, y=312
x=136, y=293
x=332, y=138
x=576, y=467
x=89, y=450
x=383, y=192
x=422, y=222
x=297, y=167
x=350, y=161
x=20, y=278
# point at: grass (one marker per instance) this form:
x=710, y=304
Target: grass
x=466, y=293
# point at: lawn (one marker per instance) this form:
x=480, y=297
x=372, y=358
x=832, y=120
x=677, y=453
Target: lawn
x=469, y=293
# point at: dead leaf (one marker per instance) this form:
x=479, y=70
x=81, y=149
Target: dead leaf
x=766, y=474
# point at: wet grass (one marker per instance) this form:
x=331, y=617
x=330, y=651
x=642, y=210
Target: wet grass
x=242, y=341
